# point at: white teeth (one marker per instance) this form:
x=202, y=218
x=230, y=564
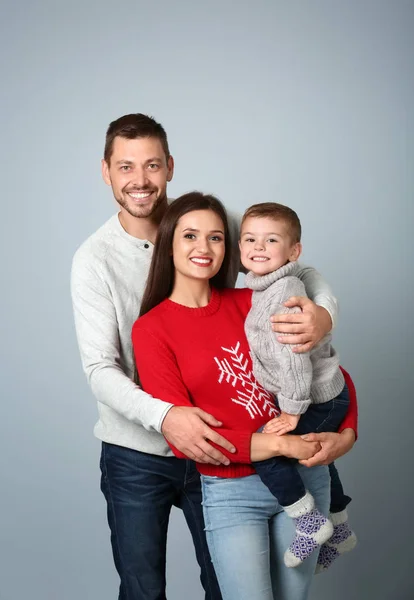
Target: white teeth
x=259, y=258
x=201, y=261
x=140, y=196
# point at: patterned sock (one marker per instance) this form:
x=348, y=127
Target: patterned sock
x=312, y=530
x=343, y=540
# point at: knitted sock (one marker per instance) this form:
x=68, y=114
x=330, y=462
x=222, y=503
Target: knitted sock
x=312, y=530
x=343, y=540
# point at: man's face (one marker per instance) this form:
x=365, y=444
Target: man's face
x=138, y=173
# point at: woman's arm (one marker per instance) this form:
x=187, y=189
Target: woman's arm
x=351, y=418
x=159, y=373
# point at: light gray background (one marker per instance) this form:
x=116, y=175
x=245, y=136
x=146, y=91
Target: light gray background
x=309, y=103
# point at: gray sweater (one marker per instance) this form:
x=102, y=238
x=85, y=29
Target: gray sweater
x=109, y=272
x=296, y=379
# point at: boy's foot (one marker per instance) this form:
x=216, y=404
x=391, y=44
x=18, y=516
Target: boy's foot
x=312, y=530
x=343, y=540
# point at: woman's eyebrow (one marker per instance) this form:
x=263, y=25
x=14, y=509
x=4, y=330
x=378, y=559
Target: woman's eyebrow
x=197, y=230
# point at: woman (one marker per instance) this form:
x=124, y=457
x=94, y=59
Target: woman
x=191, y=350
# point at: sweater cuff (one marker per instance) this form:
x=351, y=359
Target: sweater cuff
x=241, y=440
x=293, y=407
x=163, y=414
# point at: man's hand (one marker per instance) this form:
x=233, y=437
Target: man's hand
x=188, y=430
x=306, y=328
x=333, y=445
x=282, y=424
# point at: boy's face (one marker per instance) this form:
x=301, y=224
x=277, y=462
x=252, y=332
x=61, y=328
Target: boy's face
x=265, y=245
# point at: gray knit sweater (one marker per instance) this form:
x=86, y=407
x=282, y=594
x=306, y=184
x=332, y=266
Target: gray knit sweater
x=296, y=379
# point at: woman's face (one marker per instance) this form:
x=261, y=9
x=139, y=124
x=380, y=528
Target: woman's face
x=198, y=245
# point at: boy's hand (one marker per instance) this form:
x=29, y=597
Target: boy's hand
x=282, y=424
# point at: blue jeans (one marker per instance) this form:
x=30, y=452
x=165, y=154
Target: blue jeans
x=140, y=490
x=280, y=474
x=248, y=533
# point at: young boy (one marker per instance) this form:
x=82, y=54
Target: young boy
x=310, y=387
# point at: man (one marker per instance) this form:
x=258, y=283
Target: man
x=141, y=480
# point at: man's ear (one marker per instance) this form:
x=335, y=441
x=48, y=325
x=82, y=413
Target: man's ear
x=105, y=172
x=170, y=168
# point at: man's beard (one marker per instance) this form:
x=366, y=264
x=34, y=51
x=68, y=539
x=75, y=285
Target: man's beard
x=141, y=212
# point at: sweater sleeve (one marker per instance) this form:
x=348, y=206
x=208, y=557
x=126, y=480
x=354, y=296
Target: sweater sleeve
x=318, y=290
x=160, y=375
x=351, y=418
x=98, y=339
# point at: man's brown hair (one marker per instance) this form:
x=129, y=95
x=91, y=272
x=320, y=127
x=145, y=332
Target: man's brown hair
x=135, y=126
x=277, y=212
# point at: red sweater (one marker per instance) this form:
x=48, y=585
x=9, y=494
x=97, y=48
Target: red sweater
x=200, y=357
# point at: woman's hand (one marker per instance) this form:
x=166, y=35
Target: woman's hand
x=333, y=445
x=294, y=446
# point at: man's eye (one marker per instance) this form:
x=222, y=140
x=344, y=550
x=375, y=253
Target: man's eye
x=153, y=166
x=125, y=168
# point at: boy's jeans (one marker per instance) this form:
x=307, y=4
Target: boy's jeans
x=280, y=474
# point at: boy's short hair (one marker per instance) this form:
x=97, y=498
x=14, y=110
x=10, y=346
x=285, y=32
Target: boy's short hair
x=277, y=212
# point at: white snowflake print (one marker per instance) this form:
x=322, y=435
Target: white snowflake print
x=235, y=370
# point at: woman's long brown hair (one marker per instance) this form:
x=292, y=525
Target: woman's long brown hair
x=161, y=275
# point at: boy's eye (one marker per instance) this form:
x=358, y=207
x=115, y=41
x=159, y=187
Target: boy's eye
x=249, y=240
x=272, y=240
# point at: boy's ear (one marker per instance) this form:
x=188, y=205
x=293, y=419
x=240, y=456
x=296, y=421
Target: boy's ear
x=296, y=252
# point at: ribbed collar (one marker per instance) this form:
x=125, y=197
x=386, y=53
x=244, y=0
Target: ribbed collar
x=204, y=311
x=258, y=283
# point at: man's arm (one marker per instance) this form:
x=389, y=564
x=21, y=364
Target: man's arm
x=319, y=313
x=98, y=338
x=318, y=290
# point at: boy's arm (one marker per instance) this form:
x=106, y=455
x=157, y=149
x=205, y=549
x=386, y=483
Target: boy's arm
x=295, y=369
